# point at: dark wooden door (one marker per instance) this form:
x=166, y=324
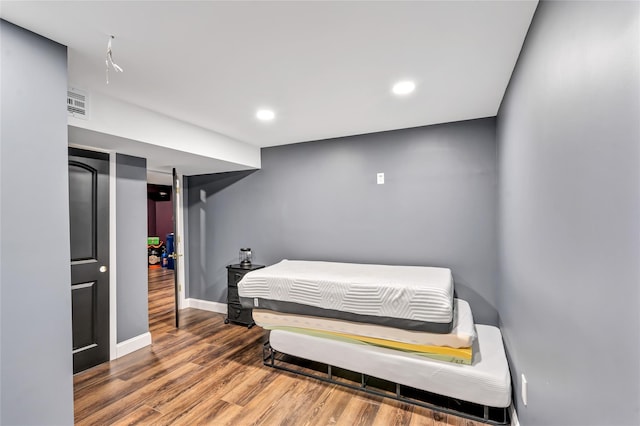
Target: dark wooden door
x=176, y=238
x=89, y=226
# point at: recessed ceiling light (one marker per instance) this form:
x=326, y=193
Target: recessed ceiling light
x=404, y=87
x=265, y=114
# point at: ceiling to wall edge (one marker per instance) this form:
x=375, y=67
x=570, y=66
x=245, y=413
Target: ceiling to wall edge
x=160, y=160
x=509, y=22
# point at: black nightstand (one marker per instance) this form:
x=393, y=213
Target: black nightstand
x=235, y=312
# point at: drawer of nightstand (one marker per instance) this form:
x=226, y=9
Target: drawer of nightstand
x=234, y=278
x=233, y=297
x=237, y=314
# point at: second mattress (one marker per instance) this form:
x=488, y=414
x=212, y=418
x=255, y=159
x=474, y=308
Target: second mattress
x=462, y=335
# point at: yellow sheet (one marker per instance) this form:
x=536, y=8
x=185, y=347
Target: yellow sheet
x=443, y=353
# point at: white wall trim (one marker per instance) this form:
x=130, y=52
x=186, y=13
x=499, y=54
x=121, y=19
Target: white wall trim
x=133, y=344
x=89, y=148
x=514, y=415
x=113, y=281
x=206, y=305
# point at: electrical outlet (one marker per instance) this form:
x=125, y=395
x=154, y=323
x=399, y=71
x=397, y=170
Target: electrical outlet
x=524, y=390
x=380, y=178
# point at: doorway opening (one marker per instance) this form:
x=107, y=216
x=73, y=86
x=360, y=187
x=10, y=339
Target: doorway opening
x=160, y=245
x=161, y=301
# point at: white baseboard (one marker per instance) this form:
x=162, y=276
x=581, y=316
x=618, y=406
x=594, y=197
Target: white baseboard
x=206, y=305
x=133, y=344
x=514, y=415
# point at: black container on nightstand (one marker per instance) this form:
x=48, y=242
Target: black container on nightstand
x=235, y=312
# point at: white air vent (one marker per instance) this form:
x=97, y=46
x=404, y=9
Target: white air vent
x=77, y=103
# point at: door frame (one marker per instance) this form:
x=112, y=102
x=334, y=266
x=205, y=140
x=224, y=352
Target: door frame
x=179, y=243
x=113, y=308
x=113, y=278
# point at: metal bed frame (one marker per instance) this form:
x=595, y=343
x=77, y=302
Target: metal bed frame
x=379, y=387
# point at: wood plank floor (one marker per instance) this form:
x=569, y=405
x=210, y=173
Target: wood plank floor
x=209, y=373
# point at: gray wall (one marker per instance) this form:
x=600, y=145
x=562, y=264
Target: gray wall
x=131, y=246
x=568, y=133
x=36, y=385
x=319, y=201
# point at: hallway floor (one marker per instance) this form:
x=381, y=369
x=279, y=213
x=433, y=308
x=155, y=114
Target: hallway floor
x=161, y=301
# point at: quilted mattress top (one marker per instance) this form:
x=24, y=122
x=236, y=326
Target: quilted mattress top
x=410, y=292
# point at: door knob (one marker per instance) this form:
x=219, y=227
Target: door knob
x=172, y=256
x=103, y=269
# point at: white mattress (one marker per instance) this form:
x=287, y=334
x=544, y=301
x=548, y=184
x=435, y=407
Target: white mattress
x=408, y=292
x=486, y=381
x=462, y=335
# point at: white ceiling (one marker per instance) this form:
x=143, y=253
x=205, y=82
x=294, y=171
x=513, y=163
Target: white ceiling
x=326, y=68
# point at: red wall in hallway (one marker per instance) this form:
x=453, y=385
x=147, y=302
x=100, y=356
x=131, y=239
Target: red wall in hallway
x=164, y=219
x=151, y=218
x=159, y=213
